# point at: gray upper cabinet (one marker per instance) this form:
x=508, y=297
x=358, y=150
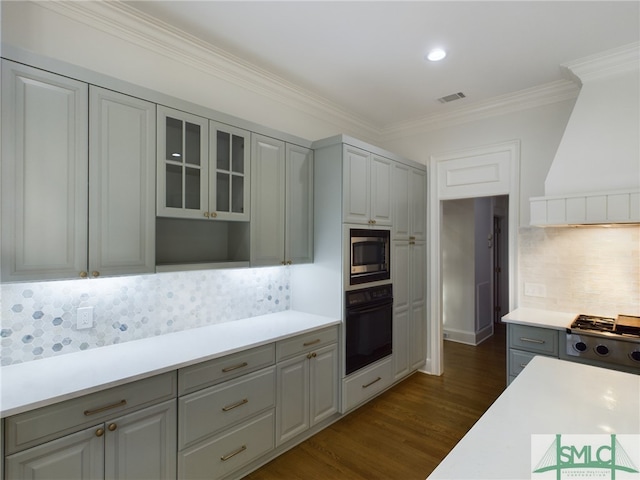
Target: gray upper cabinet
x=299, y=205
x=77, y=179
x=229, y=181
x=183, y=164
x=121, y=184
x=44, y=175
x=203, y=168
x=367, y=188
x=282, y=203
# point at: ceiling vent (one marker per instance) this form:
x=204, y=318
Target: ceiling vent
x=452, y=97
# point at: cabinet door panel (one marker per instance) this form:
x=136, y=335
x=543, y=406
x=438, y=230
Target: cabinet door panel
x=292, y=406
x=417, y=338
x=324, y=383
x=44, y=174
x=400, y=338
x=299, y=205
x=418, y=205
x=381, y=205
x=267, y=201
x=143, y=444
x=229, y=182
x=357, y=188
x=401, y=202
x=79, y=456
x=121, y=184
x=182, y=164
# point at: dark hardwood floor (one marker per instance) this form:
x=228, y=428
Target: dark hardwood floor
x=405, y=432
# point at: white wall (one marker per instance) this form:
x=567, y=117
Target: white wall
x=458, y=269
x=538, y=129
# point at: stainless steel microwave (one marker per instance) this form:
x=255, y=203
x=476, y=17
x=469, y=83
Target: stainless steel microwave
x=370, y=255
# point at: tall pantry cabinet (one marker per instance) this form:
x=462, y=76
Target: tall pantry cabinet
x=409, y=269
x=70, y=192
x=366, y=187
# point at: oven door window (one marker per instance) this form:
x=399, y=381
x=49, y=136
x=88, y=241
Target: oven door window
x=368, y=336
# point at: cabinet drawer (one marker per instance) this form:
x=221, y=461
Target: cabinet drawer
x=196, y=377
x=221, y=455
x=306, y=342
x=364, y=385
x=213, y=409
x=534, y=339
x=518, y=360
x=46, y=423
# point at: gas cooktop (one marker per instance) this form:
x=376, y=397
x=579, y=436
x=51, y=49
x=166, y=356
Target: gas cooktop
x=624, y=325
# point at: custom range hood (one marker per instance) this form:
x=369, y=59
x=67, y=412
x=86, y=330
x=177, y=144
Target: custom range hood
x=595, y=176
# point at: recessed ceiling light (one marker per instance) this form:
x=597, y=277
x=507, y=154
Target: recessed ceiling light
x=436, y=55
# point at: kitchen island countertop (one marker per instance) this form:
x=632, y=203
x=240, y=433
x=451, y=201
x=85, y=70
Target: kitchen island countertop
x=540, y=318
x=552, y=397
x=38, y=383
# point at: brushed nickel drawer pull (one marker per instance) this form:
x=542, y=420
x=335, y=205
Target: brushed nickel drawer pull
x=371, y=383
x=226, y=457
x=234, y=367
x=235, y=405
x=313, y=342
x=121, y=403
x=532, y=340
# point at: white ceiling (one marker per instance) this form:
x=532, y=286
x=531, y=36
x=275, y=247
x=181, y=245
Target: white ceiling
x=367, y=56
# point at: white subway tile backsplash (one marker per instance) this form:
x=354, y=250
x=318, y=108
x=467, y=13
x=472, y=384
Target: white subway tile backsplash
x=586, y=270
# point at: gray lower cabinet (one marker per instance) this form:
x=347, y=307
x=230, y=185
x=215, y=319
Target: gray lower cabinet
x=95, y=436
x=525, y=342
x=307, y=391
x=226, y=420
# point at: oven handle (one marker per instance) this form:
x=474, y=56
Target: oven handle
x=369, y=308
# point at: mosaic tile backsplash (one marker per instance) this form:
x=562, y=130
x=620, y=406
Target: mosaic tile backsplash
x=592, y=270
x=39, y=319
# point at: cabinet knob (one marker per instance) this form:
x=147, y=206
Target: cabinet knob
x=206, y=214
x=289, y=262
x=83, y=274
x=95, y=274
x=99, y=432
x=112, y=427
x=213, y=214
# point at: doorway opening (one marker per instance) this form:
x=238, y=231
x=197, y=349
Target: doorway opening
x=474, y=267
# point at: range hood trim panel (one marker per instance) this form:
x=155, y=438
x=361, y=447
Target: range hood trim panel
x=595, y=175
x=597, y=208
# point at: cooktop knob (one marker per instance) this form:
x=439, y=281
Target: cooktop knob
x=635, y=355
x=602, y=350
x=580, y=346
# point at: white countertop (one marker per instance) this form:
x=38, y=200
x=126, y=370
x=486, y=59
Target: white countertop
x=550, y=396
x=540, y=318
x=34, y=384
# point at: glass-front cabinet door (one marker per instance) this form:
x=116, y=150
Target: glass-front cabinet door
x=229, y=181
x=183, y=164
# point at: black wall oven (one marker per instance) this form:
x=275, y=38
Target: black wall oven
x=369, y=255
x=369, y=326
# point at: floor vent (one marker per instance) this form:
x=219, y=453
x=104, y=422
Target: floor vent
x=452, y=97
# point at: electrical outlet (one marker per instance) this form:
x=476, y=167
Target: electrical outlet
x=535, y=290
x=84, y=318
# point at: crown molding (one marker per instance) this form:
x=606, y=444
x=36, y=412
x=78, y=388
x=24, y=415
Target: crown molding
x=546, y=94
x=613, y=62
x=123, y=21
